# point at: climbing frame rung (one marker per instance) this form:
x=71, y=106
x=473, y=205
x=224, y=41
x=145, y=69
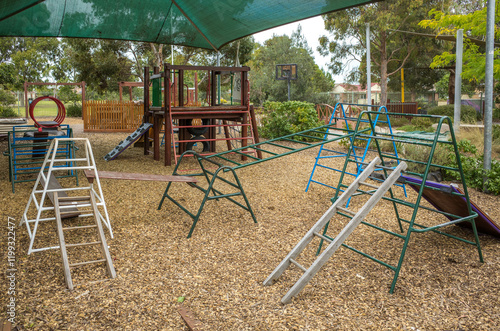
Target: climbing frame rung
x=369, y=185
x=298, y=265
x=84, y=244
x=86, y=262
x=80, y=227
x=347, y=211
x=322, y=237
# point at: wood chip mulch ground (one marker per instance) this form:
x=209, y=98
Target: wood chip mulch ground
x=218, y=273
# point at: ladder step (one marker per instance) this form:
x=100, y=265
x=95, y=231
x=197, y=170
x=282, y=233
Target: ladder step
x=84, y=244
x=347, y=211
x=80, y=227
x=369, y=185
x=298, y=265
x=71, y=199
x=328, y=240
x=86, y=262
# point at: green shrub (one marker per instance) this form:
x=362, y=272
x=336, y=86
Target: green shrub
x=7, y=112
x=473, y=168
x=468, y=114
x=496, y=133
x=419, y=124
x=284, y=118
x=74, y=110
x=496, y=114
x=399, y=121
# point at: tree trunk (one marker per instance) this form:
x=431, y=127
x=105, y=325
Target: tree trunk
x=383, y=68
x=451, y=88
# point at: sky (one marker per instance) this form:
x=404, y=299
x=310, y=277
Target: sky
x=312, y=29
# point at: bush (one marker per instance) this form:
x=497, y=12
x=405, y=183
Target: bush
x=74, y=110
x=467, y=113
x=496, y=114
x=284, y=118
x=7, y=112
x=398, y=121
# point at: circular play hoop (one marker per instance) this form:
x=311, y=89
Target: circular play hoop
x=61, y=113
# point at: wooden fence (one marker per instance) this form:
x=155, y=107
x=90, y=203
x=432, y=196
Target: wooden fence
x=403, y=108
x=112, y=116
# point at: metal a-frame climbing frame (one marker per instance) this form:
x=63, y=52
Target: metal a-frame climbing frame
x=340, y=206
x=46, y=185
x=409, y=211
x=215, y=181
x=342, y=115
x=231, y=160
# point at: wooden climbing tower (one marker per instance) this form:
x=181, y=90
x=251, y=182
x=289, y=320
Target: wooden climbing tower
x=187, y=123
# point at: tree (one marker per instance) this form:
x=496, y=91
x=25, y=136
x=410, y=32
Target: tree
x=27, y=60
x=474, y=26
x=283, y=50
x=390, y=47
x=100, y=63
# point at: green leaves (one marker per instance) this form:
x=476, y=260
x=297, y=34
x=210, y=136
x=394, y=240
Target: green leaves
x=281, y=119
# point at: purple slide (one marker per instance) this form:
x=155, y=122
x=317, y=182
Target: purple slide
x=443, y=200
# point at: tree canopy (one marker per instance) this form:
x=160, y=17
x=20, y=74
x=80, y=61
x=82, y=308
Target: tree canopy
x=311, y=82
x=391, y=47
x=474, y=26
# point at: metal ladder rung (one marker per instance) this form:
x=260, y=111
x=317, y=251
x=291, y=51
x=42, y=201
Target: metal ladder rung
x=369, y=185
x=80, y=227
x=347, y=211
x=84, y=244
x=86, y=262
x=298, y=265
x=328, y=240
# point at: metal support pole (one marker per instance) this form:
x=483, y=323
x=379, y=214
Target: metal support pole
x=488, y=85
x=288, y=80
x=368, y=67
x=458, y=80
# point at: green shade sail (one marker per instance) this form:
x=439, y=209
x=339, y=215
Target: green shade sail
x=197, y=23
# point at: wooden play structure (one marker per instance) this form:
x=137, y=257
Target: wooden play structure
x=185, y=120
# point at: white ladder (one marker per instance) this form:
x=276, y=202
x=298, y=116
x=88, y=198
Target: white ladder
x=334, y=244
x=60, y=203
x=46, y=186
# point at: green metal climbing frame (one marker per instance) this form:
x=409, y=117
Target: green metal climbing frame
x=419, y=153
x=232, y=160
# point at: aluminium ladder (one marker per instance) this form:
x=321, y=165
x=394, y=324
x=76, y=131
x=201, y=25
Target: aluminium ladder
x=44, y=188
x=60, y=204
x=334, y=244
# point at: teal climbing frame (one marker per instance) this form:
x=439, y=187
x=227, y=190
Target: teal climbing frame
x=407, y=211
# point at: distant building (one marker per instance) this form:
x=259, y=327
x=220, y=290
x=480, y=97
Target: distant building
x=351, y=93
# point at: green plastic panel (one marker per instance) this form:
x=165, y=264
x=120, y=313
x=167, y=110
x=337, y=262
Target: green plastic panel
x=197, y=23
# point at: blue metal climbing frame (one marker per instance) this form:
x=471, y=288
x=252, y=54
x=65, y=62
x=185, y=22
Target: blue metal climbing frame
x=26, y=151
x=344, y=116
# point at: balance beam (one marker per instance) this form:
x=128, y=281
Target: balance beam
x=136, y=176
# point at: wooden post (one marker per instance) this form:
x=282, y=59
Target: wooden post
x=26, y=99
x=167, y=89
x=146, y=109
x=84, y=105
x=156, y=125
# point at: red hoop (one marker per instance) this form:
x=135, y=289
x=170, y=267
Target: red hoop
x=61, y=113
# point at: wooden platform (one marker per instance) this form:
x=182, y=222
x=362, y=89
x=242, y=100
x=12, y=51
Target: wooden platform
x=136, y=176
